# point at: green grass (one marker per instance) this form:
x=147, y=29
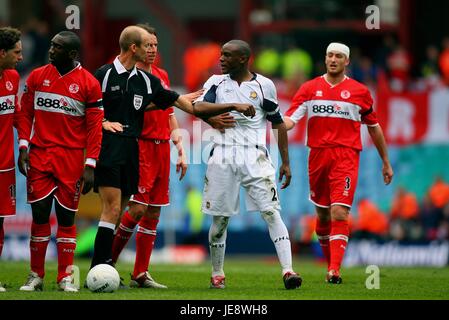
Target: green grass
x=246, y=279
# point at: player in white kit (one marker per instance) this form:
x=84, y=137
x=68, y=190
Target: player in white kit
x=240, y=158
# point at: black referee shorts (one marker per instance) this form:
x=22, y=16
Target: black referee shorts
x=118, y=165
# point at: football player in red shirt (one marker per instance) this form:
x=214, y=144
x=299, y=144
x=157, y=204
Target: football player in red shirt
x=336, y=106
x=62, y=104
x=10, y=55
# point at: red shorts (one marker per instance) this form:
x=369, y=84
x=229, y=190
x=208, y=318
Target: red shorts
x=333, y=174
x=55, y=169
x=7, y=193
x=154, y=173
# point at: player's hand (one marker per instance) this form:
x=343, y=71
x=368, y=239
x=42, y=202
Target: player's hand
x=284, y=170
x=23, y=161
x=181, y=164
x=192, y=96
x=112, y=126
x=387, y=173
x=222, y=121
x=247, y=109
x=87, y=180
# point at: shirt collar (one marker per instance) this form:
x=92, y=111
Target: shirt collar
x=121, y=69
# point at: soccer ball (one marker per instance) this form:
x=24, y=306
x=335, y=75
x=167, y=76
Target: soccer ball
x=103, y=278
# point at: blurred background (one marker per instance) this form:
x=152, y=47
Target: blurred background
x=399, y=49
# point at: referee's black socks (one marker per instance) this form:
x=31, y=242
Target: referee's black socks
x=103, y=244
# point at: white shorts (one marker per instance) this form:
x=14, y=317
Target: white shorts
x=230, y=167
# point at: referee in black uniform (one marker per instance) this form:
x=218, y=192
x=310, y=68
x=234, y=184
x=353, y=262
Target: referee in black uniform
x=127, y=93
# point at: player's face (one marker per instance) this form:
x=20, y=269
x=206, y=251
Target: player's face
x=230, y=59
x=336, y=62
x=10, y=58
x=152, y=50
x=58, y=54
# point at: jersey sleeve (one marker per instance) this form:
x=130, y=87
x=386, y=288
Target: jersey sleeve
x=369, y=116
x=270, y=103
x=210, y=90
x=94, y=118
x=162, y=98
x=25, y=116
x=298, y=107
x=170, y=110
x=16, y=101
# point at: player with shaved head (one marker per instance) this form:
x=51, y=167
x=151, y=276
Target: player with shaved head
x=60, y=138
x=239, y=157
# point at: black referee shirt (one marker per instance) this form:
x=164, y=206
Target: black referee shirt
x=127, y=94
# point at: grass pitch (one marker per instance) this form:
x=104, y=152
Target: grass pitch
x=246, y=279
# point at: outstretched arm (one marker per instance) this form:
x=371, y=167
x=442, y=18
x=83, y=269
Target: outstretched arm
x=207, y=109
x=280, y=132
x=378, y=138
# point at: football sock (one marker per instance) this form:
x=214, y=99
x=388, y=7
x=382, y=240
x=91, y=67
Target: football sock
x=217, y=244
x=66, y=244
x=323, y=230
x=338, y=241
x=279, y=235
x=145, y=237
x=40, y=236
x=124, y=233
x=103, y=244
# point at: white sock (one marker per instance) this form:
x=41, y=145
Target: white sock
x=279, y=235
x=217, y=244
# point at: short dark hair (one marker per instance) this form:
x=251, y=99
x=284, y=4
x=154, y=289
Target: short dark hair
x=9, y=37
x=243, y=47
x=147, y=28
x=73, y=42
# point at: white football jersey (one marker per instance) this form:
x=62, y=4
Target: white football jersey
x=260, y=92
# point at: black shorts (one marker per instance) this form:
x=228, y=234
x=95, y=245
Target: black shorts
x=118, y=164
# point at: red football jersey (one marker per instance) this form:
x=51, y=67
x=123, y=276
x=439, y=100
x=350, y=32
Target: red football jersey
x=334, y=112
x=156, y=124
x=67, y=110
x=9, y=84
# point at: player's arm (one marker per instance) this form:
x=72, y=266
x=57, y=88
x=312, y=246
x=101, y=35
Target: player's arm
x=272, y=111
x=378, y=138
x=181, y=163
x=24, y=123
x=94, y=122
x=298, y=108
x=280, y=132
x=206, y=109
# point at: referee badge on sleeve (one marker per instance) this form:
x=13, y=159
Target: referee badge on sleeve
x=138, y=101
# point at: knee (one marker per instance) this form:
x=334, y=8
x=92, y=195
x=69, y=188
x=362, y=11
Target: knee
x=339, y=213
x=270, y=216
x=137, y=211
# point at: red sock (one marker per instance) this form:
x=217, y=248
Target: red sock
x=323, y=231
x=124, y=232
x=2, y=237
x=66, y=244
x=145, y=237
x=40, y=236
x=338, y=241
